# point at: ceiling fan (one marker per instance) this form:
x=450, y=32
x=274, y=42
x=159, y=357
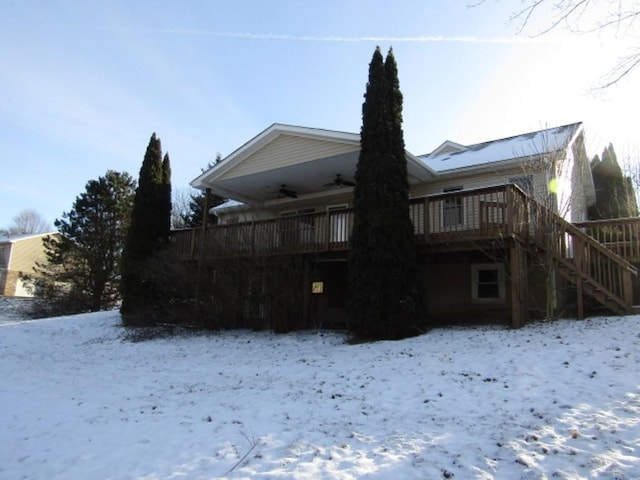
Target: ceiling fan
x=340, y=182
x=285, y=192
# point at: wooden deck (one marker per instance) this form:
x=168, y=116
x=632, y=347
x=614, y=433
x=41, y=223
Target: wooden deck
x=492, y=213
x=594, y=256
x=482, y=214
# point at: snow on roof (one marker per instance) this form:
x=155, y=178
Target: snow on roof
x=16, y=238
x=226, y=205
x=520, y=146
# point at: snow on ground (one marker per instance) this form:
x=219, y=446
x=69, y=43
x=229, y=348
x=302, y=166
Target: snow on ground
x=556, y=400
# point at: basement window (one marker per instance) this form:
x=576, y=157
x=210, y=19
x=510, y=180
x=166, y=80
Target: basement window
x=487, y=283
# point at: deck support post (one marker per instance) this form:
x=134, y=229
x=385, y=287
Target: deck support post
x=192, y=244
x=328, y=232
x=579, y=262
x=518, y=276
x=628, y=287
x=510, y=217
x=427, y=221
x=253, y=237
x=306, y=295
x=203, y=239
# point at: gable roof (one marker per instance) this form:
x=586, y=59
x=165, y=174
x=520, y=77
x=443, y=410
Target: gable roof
x=304, y=160
x=266, y=137
x=543, y=142
x=448, y=147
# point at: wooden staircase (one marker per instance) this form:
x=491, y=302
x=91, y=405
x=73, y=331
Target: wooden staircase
x=594, y=269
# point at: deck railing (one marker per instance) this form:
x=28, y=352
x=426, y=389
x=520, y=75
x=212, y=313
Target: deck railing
x=485, y=213
x=480, y=214
x=581, y=256
x=622, y=235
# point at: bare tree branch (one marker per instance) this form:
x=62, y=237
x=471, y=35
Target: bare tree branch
x=620, y=19
x=567, y=8
x=28, y=222
x=180, y=203
x=624, y=66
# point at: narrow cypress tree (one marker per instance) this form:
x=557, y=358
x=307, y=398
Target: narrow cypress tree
x=165, y=214
x=147, y=232
x=385, y=298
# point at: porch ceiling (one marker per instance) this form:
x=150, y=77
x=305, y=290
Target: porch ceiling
x=302, y=161
x=305, y=179
x=310, y=177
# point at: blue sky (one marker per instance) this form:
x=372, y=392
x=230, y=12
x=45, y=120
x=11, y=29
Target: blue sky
x=83, y=85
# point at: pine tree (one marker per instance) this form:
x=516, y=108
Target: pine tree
x=385, y=299
x=148, y=234
x=83, y=263
x=195, y=216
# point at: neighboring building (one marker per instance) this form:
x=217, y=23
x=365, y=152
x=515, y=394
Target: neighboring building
x=490, y=219
x=19, y=255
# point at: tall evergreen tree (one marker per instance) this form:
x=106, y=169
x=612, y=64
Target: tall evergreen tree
x=385, y=296
x=148, y=233
x=632, y=198
x=82, y=271
x=615, y=196
x=165, y=214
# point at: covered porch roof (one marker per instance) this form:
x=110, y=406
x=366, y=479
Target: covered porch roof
x=286, y=161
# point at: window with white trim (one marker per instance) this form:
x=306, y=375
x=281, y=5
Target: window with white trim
x=487, y=283
x=452, y=208
x=339, y=230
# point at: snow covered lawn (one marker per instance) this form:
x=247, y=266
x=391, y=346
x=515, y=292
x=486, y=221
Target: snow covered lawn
x=558, y=400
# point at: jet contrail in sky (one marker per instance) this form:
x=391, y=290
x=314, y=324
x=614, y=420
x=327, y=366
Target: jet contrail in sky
x=346, y=39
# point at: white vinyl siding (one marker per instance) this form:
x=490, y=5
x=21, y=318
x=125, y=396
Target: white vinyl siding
x=484, y=179
x=288, y=150
x=25, y=253
x=524, y=182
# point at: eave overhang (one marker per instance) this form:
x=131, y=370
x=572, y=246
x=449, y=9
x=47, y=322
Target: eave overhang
x=256, y=172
